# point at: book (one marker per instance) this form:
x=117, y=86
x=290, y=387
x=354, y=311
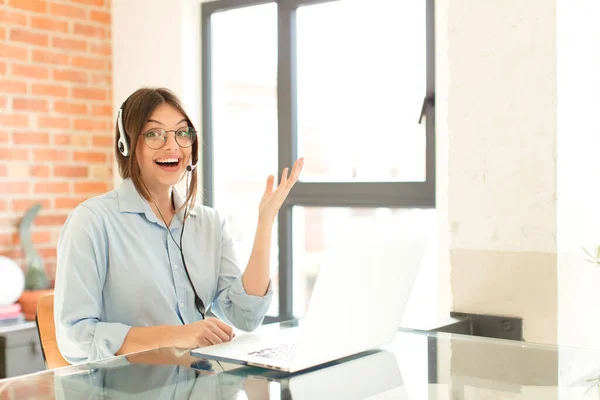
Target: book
x=4, y=316
x=12, y=321
x=11, y=308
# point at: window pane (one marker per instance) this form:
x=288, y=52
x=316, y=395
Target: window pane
x=244, y=93
x=319, y=233
x=361, y=83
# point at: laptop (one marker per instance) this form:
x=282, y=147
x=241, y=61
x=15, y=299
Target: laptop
x=357, y=304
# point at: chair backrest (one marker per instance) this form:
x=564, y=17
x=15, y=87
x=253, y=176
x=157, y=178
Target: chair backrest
x=47, y=332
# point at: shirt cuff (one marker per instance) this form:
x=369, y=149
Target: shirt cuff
x=255, y=305
x=109, y=338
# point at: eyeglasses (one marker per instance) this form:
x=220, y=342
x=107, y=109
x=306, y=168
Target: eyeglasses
x=156, y=138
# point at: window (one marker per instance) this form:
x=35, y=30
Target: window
x=244, y=120
x=347, y=84
x=357, y=99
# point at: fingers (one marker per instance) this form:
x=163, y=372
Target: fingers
x=224, y=327
x=270, y=181
x=213, y=334
x=287, y=178
x=224, y=336
x=217, y=331
x=298, y=165
x=284, y=176
x=212, y=331
x=212, y=337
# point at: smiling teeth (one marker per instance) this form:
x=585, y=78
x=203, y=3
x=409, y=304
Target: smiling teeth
x=168, y=160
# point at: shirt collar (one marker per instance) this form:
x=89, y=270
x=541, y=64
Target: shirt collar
x=178, y=202
x=129, y=198
x=133, y=202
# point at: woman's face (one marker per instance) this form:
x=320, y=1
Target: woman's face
x=164, y=166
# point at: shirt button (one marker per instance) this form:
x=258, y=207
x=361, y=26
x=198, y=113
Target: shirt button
x=181, y=305
x=175, y=267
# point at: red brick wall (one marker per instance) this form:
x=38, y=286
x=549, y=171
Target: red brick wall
x=55, y=115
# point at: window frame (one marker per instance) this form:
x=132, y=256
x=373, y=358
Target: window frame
x=321, y=194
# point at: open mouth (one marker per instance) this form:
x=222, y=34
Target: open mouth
x=168, y=163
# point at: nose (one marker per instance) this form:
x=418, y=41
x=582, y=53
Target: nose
x=171, y=143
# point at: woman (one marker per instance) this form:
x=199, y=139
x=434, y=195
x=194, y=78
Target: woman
x=137, y=267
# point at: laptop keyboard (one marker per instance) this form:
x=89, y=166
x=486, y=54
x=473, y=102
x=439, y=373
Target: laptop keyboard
x=281, y=352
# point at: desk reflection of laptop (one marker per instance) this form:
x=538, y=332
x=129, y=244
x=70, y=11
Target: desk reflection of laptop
x=370, y=376
x=357, y=304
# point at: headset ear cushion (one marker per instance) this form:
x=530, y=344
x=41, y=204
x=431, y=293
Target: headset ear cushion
x=122, y=148
x=122, y=144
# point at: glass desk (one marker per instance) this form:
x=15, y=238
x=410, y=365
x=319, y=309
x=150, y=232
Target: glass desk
x=417, y=365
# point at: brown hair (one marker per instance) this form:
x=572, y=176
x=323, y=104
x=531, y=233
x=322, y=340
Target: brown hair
x=137, y=109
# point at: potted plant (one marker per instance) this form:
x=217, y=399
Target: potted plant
x=591, y=258
x=36, y=280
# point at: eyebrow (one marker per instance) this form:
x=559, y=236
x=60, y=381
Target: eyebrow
x=158, y=122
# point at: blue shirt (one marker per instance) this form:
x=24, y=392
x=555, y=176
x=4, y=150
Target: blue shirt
x=118, y=267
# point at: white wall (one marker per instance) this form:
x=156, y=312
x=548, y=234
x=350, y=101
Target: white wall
x=442, y=142
x=501, y=164
x=578, y=203
x=147, y=46
x=157, y=43
x=523, y=90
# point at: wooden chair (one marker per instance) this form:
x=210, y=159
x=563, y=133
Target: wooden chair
x=44, y=319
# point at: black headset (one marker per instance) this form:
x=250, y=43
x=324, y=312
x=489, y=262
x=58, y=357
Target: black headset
x=123, y=147
x=122, y=143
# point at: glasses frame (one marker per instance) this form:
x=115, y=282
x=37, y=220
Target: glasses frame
x=165, y=136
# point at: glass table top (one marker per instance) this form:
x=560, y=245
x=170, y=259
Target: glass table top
x=416, y=365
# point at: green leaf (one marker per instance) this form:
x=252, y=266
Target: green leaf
x=588, y=253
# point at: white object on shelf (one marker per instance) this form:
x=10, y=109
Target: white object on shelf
x=12, y=281
x=18, y=327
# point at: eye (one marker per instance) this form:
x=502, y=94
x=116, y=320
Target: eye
x=185, y=132
x=153, y=134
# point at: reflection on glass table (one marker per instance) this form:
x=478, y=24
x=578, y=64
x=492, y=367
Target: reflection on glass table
x=416, y=365
x=173, y=374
